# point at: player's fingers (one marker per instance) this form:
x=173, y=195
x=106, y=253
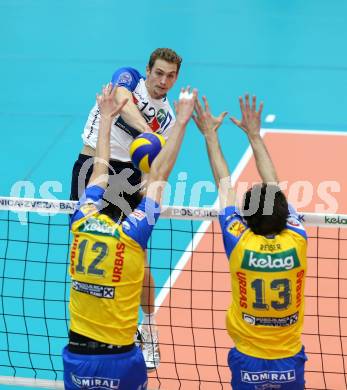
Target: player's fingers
x=254, y=103
x=195, y=119
x=105, y=92
x=186, y=94
x=114, y=89
x=242, y=105
x=198, y=107
x=222, y=116
x=207, y=107
x=195, y=94
x=247, y=102
x=261, y=106
x=235, y=121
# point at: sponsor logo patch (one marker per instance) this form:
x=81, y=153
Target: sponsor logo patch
x=236, y=228
x=138, y=214
x=271, y=321
x=161, y=116
x=335, y=220
x=294, y=222
x=95, y=290
x=125, y=78
x=96, y=226
x=192, y=212
x=85, y=382
x=270, y=262
x=266, y=376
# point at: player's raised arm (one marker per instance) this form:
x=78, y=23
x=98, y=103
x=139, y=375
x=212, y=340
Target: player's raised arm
x=208, y=125
x=164, y=162
x=108, y=110
x=130, y=113
x=250, y=123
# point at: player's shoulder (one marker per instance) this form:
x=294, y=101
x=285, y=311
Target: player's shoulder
x=131, y=70
x=233, y=227
x=139, y=224
x=89, y=204
x=229, y=215
x=126, y=77
x=294, y=222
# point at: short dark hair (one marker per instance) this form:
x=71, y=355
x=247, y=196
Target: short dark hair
x=167, y=55
x=265, y=209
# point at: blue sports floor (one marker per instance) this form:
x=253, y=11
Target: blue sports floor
x=56, y=54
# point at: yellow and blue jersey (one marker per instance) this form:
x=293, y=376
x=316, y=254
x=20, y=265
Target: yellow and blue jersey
x=265, y=318
x=107, y=269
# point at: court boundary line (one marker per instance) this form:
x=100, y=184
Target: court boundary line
x=36, y=383
x=190, y=248
x=299, y=131
x=31, y=382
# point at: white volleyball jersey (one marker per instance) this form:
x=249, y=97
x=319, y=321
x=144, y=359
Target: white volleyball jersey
x=157, y=113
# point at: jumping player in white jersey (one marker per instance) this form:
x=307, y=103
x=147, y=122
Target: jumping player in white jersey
x=147, y=110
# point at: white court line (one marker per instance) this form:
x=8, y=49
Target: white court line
x=270, y=118
x=197, y=237
x=31, y=382
x=298, y=131
x=205, y=225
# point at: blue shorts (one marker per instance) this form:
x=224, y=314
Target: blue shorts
x=250, y=373
x=124, y=371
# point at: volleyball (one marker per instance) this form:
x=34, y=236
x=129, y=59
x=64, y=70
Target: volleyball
x=144, y=149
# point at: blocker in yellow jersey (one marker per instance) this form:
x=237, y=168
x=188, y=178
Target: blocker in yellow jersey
x=265, y=318
x=107, y=268
x=266, y=249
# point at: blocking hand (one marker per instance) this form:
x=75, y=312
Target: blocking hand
x=251, y=118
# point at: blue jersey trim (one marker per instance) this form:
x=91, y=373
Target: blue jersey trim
x=294, y=223
x=126, y=77
x=233, y=228
x=140, y=223
x=92, y=194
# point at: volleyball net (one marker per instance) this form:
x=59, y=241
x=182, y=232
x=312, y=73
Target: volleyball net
x=190, y=269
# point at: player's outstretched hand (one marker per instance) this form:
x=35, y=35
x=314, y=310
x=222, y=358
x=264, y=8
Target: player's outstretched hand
x=251, y=118
x=185, y=105
x=107, y=103
x=206, y=122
